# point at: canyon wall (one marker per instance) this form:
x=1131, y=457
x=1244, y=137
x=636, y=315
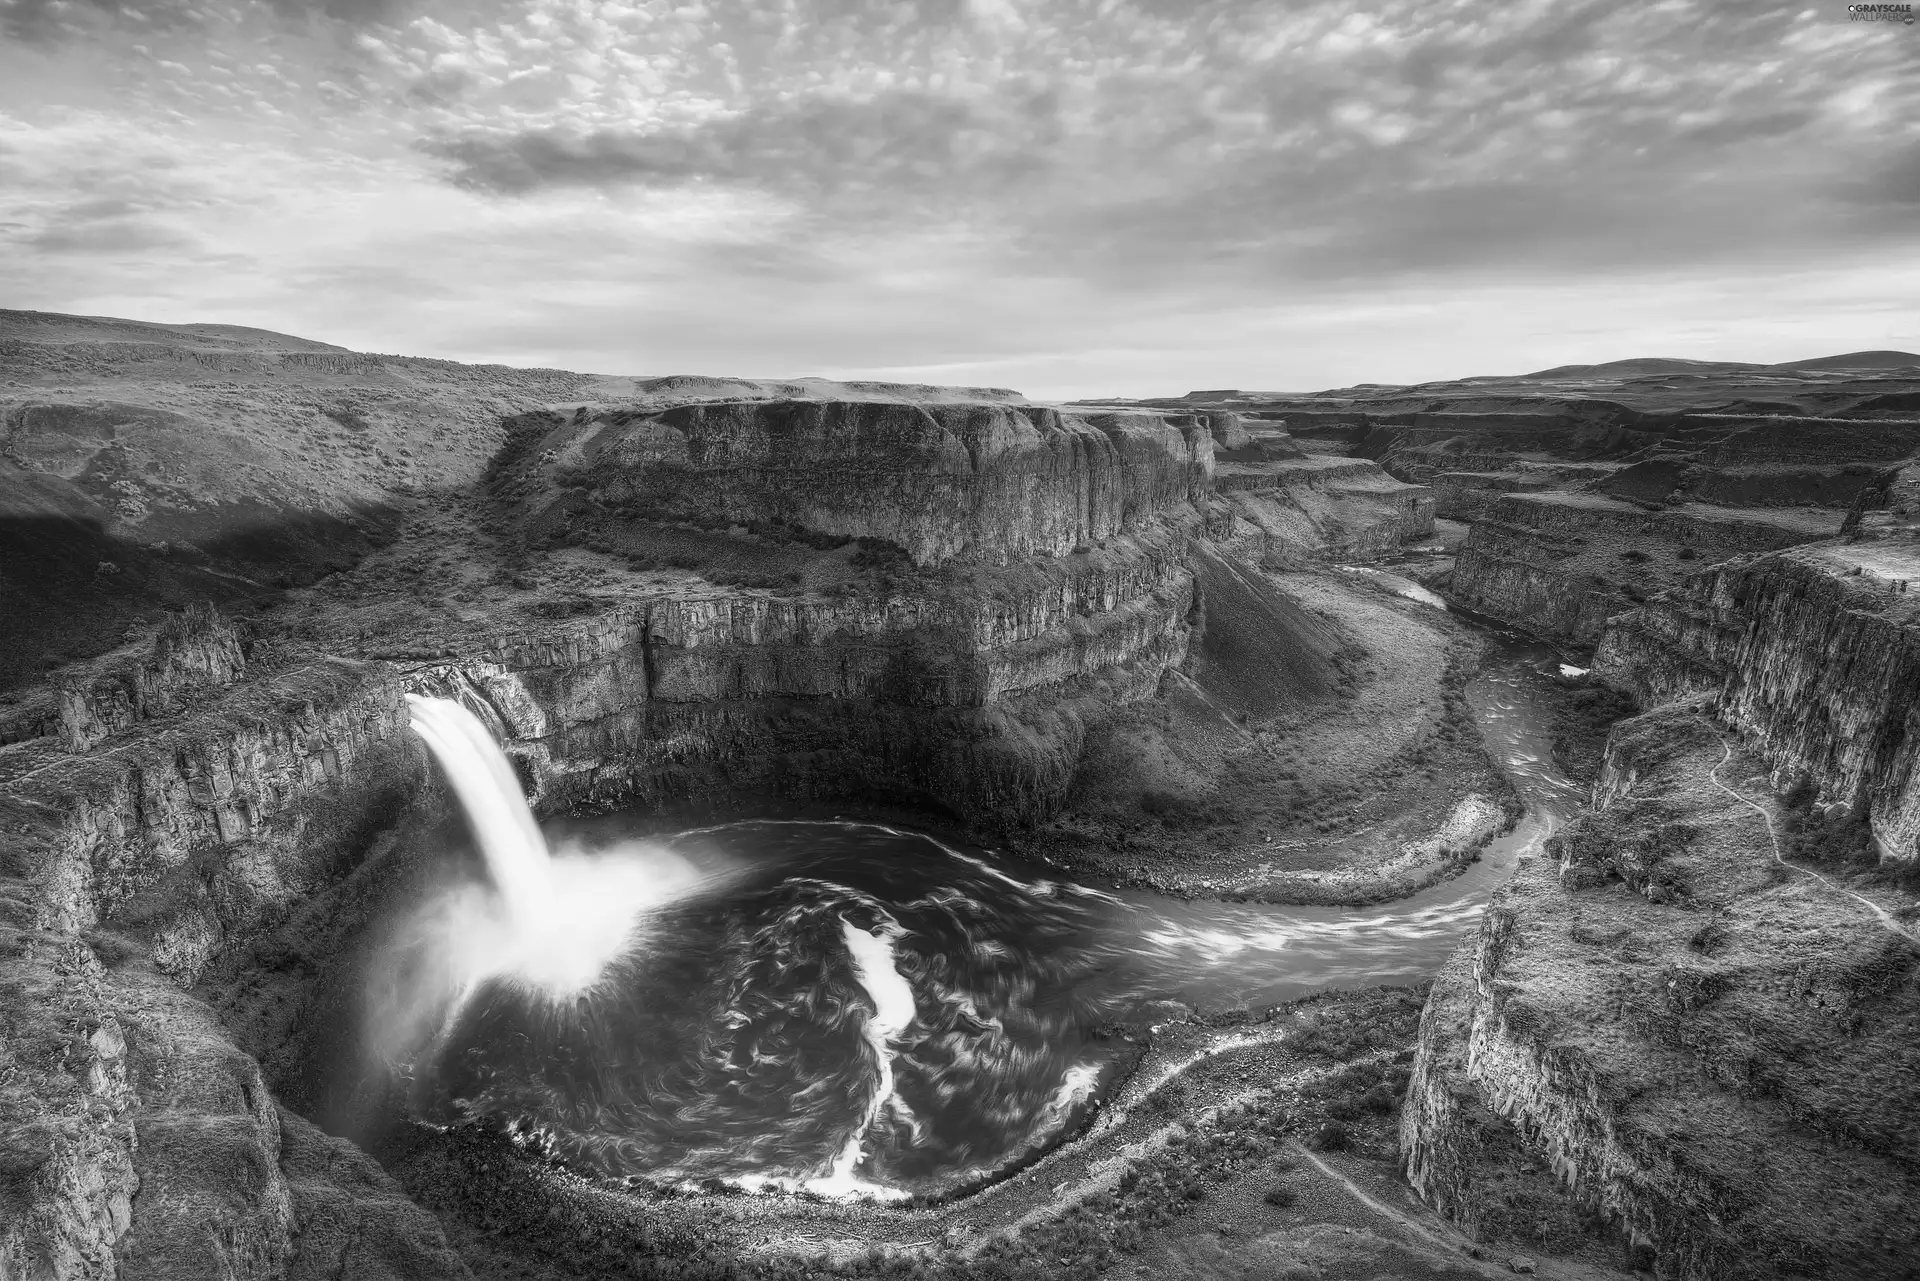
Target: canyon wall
x=981, y=482
x=1813, y=654
x=1290, y=513
x=1708, y=1049
x=139, y=1140
x=1561, y=564
x=969, y=701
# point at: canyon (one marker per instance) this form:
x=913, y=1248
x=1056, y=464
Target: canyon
x=1125, y=642
x=1680, y=1008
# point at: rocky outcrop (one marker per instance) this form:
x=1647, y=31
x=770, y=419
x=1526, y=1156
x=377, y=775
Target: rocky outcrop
x=1812, y=653
x=67, y=1179
x=1469, y=496
x=136, y=1141
x=139, y=1142
x=1287, y=513
x=194, y=652
x=985, y=483
x=275, y=777
x=1561, y=564
x=1708, y=1052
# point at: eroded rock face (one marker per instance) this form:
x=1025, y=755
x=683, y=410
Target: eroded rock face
x=68, y=1179
x=980, y=482
x=1700, y=1045
x=1561, y=564
x=198, y=651
x=966, y=692
x=1814, y=653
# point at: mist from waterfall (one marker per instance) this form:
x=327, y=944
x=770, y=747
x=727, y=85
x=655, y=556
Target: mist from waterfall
x=550, y=924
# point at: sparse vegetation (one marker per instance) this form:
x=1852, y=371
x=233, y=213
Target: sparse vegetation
x=1829, y=835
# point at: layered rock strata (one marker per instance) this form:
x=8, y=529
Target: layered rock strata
x=1698, y=1041
x=981, y=482
x=139, y=1140
x=1561, y=564
x=1814, y=654
x=971, y=701
x=1289, y=513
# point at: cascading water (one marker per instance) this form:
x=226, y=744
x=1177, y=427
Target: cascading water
x=843, y=1007
x=489, y=792
x=552, y=924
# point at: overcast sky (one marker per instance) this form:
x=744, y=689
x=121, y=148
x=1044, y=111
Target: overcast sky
x=1131, y=197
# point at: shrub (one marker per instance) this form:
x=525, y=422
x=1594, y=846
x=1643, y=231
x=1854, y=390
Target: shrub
x=1834, y=837
x=1332, y=1137
x=1281, y=1196
x=879, y=553
x=1173, y=808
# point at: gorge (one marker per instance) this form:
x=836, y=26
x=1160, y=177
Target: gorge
x=916, y=831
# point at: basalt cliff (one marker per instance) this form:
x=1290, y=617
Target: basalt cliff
x=1695, y=1011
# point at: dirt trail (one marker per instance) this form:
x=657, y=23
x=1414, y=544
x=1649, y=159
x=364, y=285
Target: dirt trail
x=1880, y=913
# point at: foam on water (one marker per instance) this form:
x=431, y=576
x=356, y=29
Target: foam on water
x=893, y=1010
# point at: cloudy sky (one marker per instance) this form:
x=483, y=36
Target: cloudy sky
x=1130, y=197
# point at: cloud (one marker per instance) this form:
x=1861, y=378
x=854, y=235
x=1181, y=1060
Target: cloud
x=783, y=186
x=897, y=143
x=1894, y=186
x=43, y=22
x=108, y=236
x=1282, y=143
x=46, y=21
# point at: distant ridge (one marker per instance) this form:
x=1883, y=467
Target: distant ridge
x=1643, y=367
x=1656, y=366
x=57, y=327
x=1856, y=360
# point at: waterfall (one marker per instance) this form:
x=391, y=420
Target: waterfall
x=552, y=922
x=489, y=792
